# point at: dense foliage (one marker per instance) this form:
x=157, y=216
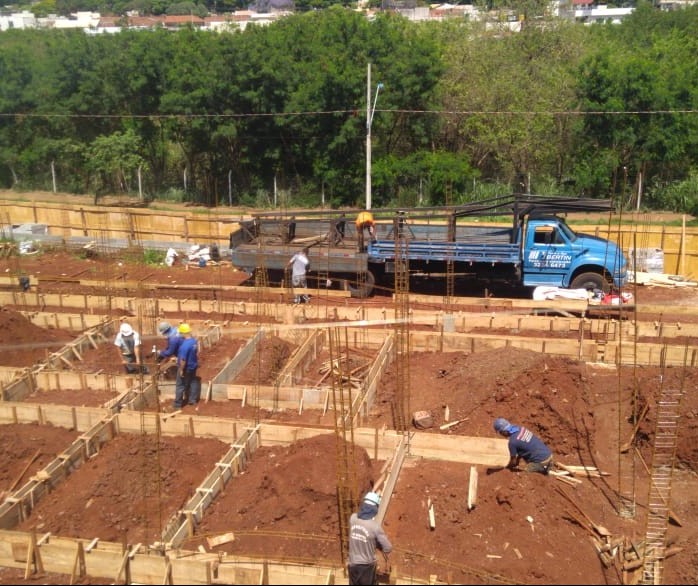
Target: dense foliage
x=463, y=111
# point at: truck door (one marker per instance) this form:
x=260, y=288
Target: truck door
x=547, y=254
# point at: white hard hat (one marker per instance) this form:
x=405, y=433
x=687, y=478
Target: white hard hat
x=372, y=498
x=125, y=329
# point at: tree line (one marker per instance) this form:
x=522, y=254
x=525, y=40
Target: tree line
x=277, y=114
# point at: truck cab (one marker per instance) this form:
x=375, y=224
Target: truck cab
x=554, y=255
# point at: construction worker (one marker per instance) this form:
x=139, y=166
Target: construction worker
x=523, y=443
x=187, y=385
x=365, y=222
x=365, y=536
x=299, y=264
x=173, y=342
x=128, y=341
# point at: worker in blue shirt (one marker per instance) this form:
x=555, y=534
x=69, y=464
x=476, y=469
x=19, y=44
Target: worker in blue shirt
x=524, y=444
x=173, y=341
x=187, y=385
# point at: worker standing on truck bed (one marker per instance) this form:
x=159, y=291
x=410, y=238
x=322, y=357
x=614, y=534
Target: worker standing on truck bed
x=365, y=221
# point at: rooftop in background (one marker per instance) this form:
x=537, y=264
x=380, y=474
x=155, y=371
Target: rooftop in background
x=586, y=11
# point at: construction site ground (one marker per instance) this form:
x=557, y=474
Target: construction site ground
x=521, y=528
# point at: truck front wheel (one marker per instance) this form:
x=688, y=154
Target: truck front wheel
x=590, y=281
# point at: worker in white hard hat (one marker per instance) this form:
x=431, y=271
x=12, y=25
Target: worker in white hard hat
x=365, y=536
x=128, y=341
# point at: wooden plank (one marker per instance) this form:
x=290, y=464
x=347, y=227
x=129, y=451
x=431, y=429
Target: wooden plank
x=217, y=540
x=472, y=488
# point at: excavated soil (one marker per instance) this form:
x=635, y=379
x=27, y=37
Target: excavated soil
x=522, y=528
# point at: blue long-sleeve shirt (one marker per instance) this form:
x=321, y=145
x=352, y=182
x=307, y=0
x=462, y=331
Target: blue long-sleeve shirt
x=188, y=354
x=173, y=342
x=525, y=444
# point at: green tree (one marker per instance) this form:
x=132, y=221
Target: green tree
x=114, y=160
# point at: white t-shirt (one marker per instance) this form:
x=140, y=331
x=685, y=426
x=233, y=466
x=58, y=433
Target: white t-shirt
x=299, y=264
x=119, y=340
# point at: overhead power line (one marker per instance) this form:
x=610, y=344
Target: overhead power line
x=356, y=112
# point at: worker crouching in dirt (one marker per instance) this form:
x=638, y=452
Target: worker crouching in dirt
x=524, y=444
x=365, y=536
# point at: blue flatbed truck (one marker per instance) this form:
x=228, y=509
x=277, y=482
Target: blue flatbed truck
x=538, y=249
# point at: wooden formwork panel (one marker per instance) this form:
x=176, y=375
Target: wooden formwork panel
x=182, y=525
x=78, y=418
x=65, y=321
x=240, y=360
x=21, y=502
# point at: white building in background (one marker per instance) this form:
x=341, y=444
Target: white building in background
x=18, y=20
x=586, y=11
x=83, y=20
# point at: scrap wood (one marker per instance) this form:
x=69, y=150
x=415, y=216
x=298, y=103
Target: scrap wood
x=588, y=471
x=581, y=522
x=166, y=416
x=353, y=371
x=626, y=446
x=220, y=539
x=452, y=424
x=24, y=470
x=600, y=529
x=561, y=476
x=634, y=564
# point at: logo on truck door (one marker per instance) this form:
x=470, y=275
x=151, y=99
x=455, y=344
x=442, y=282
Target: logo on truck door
x=543, y=259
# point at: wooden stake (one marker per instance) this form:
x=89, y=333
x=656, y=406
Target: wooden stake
x=432, y=519
x=472, y=488
x=79, y=567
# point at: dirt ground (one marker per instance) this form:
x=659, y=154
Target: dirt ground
x=522, y=528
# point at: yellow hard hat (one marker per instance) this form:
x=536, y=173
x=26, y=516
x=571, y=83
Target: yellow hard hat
x=184, y=329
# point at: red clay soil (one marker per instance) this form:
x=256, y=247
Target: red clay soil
x=27, y=448
x=521, y=529
x=121, y=495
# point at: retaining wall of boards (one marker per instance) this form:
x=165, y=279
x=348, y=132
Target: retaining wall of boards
x=678, y=244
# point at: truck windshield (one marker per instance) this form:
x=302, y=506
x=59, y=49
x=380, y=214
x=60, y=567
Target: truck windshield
x=567, y=231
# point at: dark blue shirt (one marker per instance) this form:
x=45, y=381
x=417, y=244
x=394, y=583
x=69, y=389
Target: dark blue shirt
x=527, y=445
x=173, y=342
x=189, y=353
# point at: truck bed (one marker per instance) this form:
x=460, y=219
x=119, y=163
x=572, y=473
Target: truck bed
x=459, y=251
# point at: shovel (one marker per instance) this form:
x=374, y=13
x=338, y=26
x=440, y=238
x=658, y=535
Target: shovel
x=600, y=529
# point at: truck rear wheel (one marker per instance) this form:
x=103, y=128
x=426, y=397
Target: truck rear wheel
x=590, y=281
x=364, y=288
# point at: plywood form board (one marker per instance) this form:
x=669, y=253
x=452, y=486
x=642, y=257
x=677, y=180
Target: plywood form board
x=179, y=527
x=303, y=355
x=21, y=502
x=483, y=451
x=78, y=418
x=240, y=360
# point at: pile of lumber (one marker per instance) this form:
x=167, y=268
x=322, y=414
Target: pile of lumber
x=570, y=474
x=340, y=369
